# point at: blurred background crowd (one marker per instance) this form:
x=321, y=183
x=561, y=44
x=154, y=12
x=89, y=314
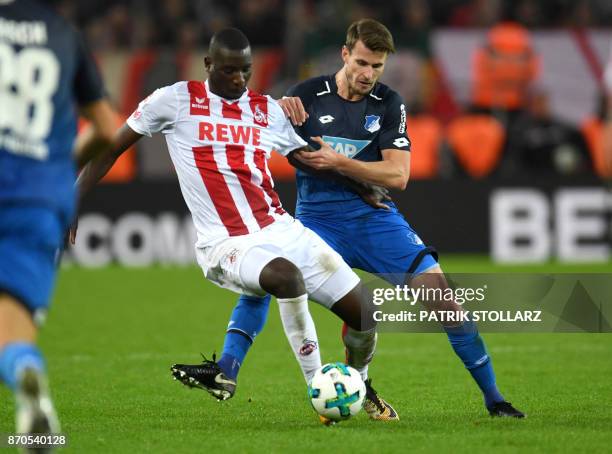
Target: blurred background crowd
x=494, y=87
x=133, y=24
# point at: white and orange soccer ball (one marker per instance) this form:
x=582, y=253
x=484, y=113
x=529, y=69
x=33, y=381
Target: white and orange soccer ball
x=337, y=391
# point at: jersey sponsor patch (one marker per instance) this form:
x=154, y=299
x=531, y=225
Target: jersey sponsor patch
x=199, y=104
x=372, y=123
x=347, y=147
x=227, y=133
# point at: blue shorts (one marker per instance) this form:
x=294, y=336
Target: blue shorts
x=381, y=242
x=30, y=237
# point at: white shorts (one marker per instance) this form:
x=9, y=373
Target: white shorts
x=236, y=262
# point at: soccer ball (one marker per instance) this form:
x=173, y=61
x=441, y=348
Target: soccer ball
x=337, y=391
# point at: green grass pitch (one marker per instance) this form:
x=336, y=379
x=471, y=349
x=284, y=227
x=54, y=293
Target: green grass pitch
x=113, y=333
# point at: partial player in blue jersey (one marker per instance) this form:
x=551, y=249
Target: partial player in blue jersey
x=45, y=76
x=365, y=123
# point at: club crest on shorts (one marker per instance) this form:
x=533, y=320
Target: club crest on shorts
x=308, y=346
x=372, y=123
x=414, y=238
x=232, y=255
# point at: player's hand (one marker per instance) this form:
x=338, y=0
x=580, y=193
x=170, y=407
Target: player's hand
x=375, y=195
x=325, y=158
x=294, y=110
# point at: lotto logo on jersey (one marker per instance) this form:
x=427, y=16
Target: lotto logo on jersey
x=199, y=105
x=401, y=142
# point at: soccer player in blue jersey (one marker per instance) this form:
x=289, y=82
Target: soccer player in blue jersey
x=45, y=73
x=365, y=123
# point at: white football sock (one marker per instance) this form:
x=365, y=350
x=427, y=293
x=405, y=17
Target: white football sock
x=360, y=346
x=301, y=333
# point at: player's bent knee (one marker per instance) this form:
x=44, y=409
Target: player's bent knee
x=430, y=280
x=355, y=309
x=436, y=280
x=282, y=279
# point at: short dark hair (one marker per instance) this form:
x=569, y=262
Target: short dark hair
x=228, y=38
x=374, y=35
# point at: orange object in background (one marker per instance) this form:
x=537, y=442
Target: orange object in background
x=124, y=169
x=266, y=65
x=280, y=168
x=503, y=69
x=425, y=134
x=477, y=141
x=593, y=131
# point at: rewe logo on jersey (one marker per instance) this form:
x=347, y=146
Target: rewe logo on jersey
x=237, y=134
x=346, y=147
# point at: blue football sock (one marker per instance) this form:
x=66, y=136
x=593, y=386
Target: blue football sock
x=247, y=321
x=470, y=347
x=14, y=357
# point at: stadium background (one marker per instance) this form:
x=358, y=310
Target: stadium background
x=518, y=178
x=507, y=106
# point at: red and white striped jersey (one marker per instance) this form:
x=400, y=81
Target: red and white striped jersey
x=220, y=149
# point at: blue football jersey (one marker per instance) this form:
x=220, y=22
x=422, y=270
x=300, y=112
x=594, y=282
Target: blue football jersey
x=356, y=129
x=45, y=73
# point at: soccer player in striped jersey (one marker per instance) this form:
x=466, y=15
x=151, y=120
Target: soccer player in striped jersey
x=45, y=73
x=219, y=134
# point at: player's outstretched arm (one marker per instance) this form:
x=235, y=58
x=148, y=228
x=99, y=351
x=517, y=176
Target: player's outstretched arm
x=123, y=139
x=98, y=136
